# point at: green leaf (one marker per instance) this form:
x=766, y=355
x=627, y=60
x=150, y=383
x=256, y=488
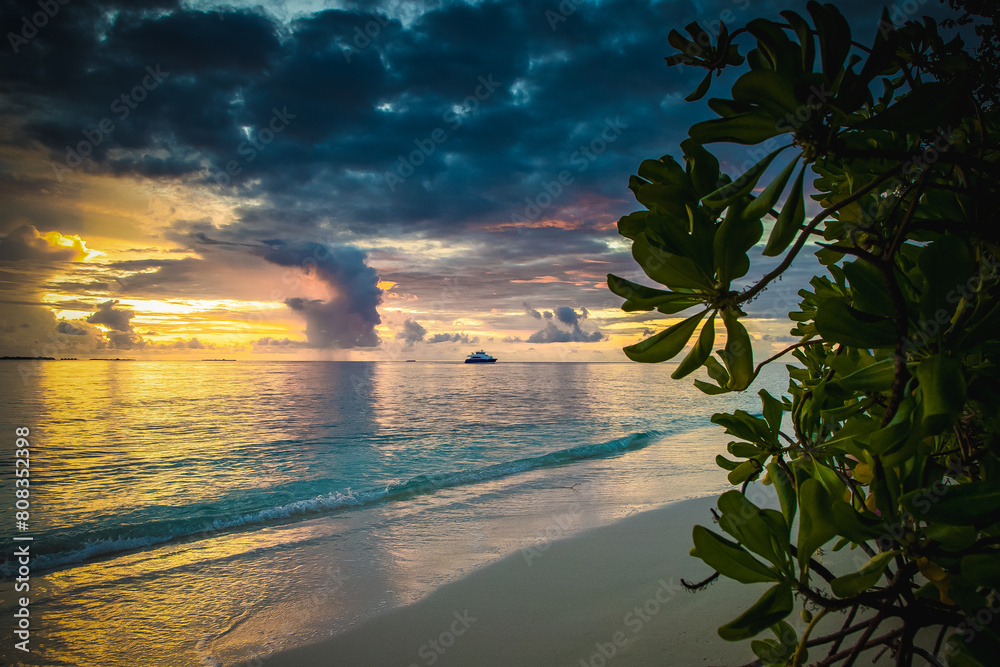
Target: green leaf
x=790, y=219
x=717, y=371
x=744, y=425
x=766, y=200
x=666, y=268
x=666, y=344
x=786, y=490
x=956, y=504
x=942, y=388
x=860, y=581
x=700, y=351
x=665, y=171
x=743, y=185
x=773, y=410
x=730, y=559
x=947, y=266
x=815, y=527
x=747, y=128
x=702, y=167
x=725, y=463
x=872, y=378
x=837, y=322
x=855, y=526
x=773, y=606
x=745, y=521
x=834, y=37
x=782, y=55
x=893, y=436
x=640, y=297
x=678, y=41
x=710, y=389
x=767, y=89
x=952, y=538
x=700, y=91
x=735, y=236
x=868, y=288
x=982, y=569
x=802, y=31
x=744, y=450
x=738, y=354
x=743, y=472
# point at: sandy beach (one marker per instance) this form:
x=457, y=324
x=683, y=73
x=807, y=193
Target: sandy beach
x=609, y=595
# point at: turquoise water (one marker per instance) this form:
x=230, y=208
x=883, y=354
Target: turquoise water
x=210, y=513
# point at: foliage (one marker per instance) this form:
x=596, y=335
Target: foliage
x=893, y=406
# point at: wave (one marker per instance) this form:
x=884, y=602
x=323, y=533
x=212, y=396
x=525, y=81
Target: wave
x=339, y=500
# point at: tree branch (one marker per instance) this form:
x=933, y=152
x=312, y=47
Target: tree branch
x=804, y=236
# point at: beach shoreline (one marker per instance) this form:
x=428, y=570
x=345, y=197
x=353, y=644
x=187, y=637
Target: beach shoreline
x=609, y=594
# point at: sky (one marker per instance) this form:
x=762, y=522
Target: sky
x=343, y=180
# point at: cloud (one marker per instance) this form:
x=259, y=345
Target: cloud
x=27, y=243
x=125, y=340
x=453, y=338
x=553, y=334
x=567, y=315
x=69, y=328
x=192, y=344
x=349, y=317
x=412, y=332
x=531, y=311
x=267, y=341
x=111, y=317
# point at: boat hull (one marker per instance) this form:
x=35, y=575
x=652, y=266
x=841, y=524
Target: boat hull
x=480, y=361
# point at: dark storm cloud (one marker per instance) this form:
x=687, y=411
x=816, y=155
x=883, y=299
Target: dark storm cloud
x=481, y=122
x=567, y=315
x=348, y=319
x=111, y=317
x=510, y=119
x=65, y=327
x=268, y=342
x=553, y=334
x=25, y=243
x=531, y=311
x=413, y=332
x=453, y=338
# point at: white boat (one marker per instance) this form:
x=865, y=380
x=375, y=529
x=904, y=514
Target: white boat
x=480, y=357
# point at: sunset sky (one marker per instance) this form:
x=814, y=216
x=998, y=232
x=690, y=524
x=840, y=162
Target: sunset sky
x=341, y=180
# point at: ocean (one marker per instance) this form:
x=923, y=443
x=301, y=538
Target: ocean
x=211, y=513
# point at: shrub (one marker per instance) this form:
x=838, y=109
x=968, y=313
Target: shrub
x=886, y=442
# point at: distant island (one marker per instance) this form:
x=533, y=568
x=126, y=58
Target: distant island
x=27, y=359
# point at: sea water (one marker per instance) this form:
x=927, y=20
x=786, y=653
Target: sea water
x=207, y=513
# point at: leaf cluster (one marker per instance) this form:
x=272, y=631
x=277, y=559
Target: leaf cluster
x=887, y=442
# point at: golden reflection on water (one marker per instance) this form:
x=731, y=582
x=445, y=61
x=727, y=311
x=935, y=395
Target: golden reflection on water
x=143, y=429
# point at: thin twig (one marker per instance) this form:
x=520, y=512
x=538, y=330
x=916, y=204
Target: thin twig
x=700, y=584
x=878, y=641
x=853, y=653
x=844, y=630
